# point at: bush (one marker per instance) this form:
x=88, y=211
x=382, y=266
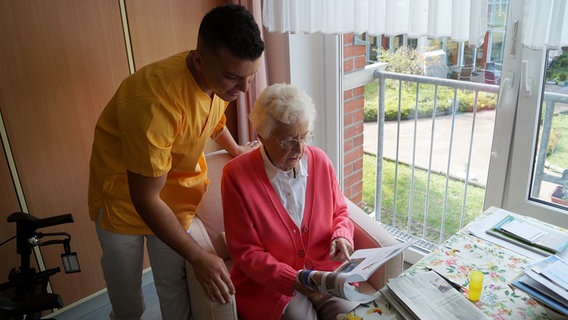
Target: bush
x=410, y=61
x=425, y=108
x=403, y=60
x=557, y=69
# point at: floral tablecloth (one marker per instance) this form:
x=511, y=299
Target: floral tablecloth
x=459, y=255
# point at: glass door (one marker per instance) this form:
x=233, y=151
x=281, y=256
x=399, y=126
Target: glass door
x=529, y=164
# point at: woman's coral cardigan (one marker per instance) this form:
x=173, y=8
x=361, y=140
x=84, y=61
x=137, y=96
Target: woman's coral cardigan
x=266, y=246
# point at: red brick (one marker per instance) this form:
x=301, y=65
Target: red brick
x=347, y=169
x=348, y=39
x=354, y=104
x=357, y=166
x=348, y=119
x=358, y=140
x=353, y=51
x=348, y=65
x=347, y=192
x=359, y=91
x=354, y=58
x=356, y=195
x=353, y=130
x=358, y=115
x=360, y=62
x=347, y=145
x=353, y=179
x=357, y=187
x=354, y=155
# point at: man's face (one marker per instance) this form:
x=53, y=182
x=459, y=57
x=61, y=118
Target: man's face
x=226, y=75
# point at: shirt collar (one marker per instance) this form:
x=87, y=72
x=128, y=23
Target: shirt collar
x=272, y=170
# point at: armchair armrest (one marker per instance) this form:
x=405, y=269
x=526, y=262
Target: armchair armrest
x=370, y=234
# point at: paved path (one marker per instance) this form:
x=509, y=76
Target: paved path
x=462, y=132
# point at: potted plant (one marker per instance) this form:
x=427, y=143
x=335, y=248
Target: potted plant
x=560, y=195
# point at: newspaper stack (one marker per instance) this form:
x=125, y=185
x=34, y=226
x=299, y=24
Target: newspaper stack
x=427, y=295
x=546, y=281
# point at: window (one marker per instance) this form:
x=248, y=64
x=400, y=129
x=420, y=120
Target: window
x=528, y=156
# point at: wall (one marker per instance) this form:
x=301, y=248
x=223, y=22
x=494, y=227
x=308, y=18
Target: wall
x=353, y=99
x=61, y=62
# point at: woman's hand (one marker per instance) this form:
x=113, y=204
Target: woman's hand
x=340, y=249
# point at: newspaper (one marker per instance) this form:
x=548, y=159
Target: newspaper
x=349, y=280
x=426, y=295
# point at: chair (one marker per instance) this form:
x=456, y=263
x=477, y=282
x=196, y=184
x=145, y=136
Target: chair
x=207, y=229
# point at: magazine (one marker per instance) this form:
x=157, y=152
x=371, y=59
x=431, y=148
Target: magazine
x=547, y=282
x=529, y=234
x=349, y=280
x=426, y=295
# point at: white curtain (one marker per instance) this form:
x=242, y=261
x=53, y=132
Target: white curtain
x=246, y=100
x=545, y=24
x=461, y=20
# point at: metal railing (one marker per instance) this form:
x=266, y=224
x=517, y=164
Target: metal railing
x=550, y=102
x=437, y=83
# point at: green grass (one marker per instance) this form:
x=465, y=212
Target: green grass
x=558, y=149
x=559, y=142
x=436, y=195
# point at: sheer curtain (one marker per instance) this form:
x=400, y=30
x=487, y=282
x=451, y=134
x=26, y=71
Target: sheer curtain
x=546, y=24
x=461, y=20
x=245, y=100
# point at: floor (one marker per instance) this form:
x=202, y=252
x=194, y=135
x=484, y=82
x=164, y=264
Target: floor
x=98, y=308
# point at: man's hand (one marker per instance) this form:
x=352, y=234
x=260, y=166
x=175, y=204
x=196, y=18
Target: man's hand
x=247, y=147
x=225, y=140
x=211, y=272
x=340, y=249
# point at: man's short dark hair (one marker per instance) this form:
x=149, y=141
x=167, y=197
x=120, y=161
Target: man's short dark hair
x=234, y=28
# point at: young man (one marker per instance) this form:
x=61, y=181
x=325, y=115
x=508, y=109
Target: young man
x=148, y=172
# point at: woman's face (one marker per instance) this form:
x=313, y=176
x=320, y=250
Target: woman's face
x=286, y=145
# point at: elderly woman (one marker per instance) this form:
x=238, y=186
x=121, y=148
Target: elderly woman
x=283, y=212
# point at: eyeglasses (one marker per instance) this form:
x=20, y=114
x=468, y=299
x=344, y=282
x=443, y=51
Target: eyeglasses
x=292, y=142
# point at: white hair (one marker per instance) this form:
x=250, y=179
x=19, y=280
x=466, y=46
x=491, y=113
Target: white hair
x=282, y=103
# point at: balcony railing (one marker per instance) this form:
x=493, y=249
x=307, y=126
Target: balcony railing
x=418, y=144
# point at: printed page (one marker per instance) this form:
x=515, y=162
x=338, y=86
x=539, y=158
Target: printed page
x=481, y=229
x=524, y=230
x=547, y=283
x=364, y=262
x=349, y=280
x=429, y=296
x=558, y=273
x=550, y=272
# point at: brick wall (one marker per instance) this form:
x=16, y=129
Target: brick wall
x=353, y=59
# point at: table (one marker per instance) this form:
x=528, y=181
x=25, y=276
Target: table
x=460, y=254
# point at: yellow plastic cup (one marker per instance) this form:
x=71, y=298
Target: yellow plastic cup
x=475, y=285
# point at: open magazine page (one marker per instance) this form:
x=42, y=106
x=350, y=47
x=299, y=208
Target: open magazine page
x=348, y=281
x=429, y=296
